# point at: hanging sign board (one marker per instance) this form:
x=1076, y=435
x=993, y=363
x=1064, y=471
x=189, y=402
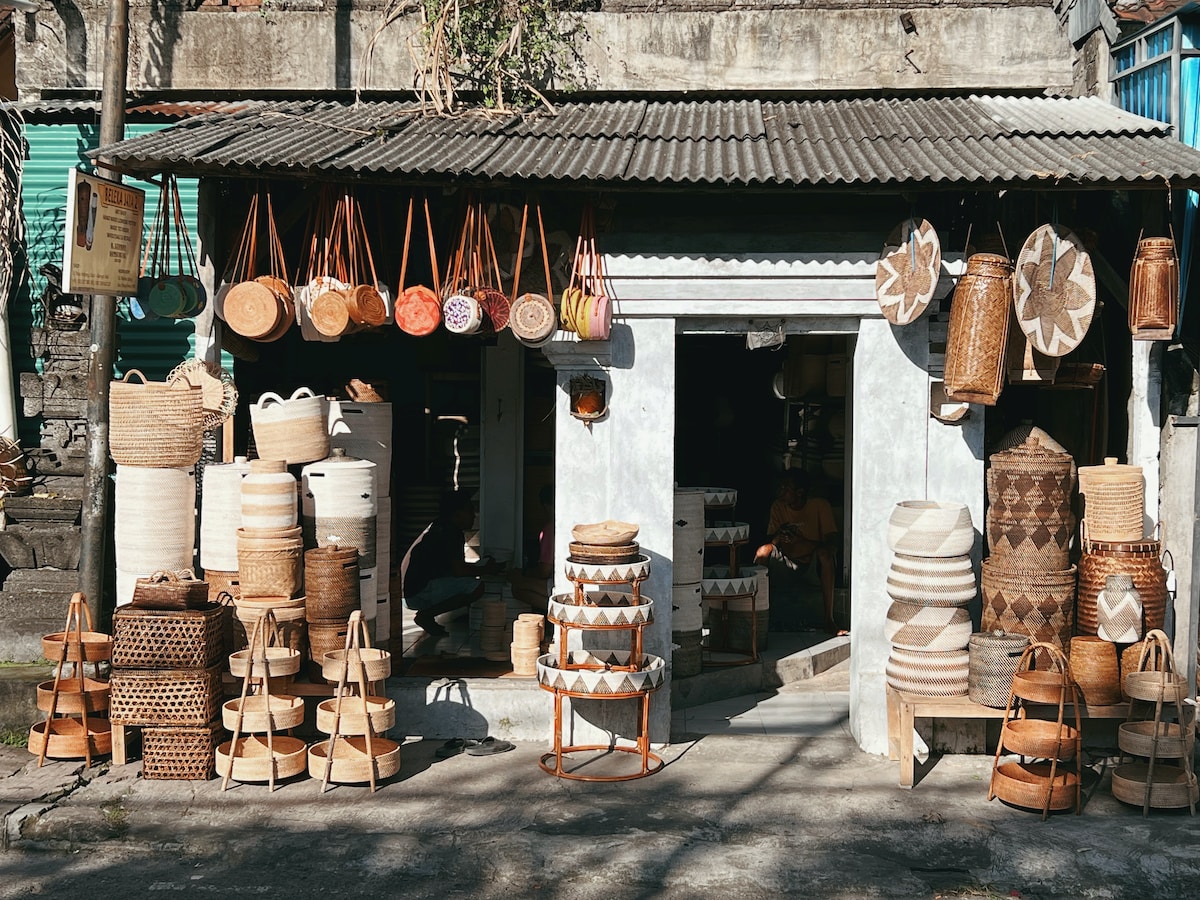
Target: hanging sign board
x=103, y=236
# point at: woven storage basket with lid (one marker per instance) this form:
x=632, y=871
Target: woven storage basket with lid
x=1114, y=503
x=1138, y=559
x=978, y=332
x=994, y=656
x=154, y=424
x=1029, y=522
x=331, y=583
x=268, y=496
x=1154, y=289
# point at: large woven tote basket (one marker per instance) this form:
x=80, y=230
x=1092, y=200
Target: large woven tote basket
x=155, y=424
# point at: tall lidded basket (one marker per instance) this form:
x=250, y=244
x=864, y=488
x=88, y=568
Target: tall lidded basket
x=978, y=333
x=1154, y=290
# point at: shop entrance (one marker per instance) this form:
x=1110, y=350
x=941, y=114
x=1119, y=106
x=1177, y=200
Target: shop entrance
x=744, y=417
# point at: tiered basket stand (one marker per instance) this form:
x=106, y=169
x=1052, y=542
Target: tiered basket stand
x=1039, y=785
x=602, y=674
x=256, y=752
x=1146, y=733
x=720, y=533
x=355, y=718
x=70, y=731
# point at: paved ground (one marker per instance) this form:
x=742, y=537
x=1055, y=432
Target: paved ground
x=763, y=796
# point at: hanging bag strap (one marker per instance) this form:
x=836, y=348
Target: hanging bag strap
x=433, y=260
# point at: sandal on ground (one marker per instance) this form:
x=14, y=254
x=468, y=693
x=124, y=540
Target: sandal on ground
x=453, y=747
x=489, y=746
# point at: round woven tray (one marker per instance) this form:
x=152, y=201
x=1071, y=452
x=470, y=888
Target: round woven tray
x=1025, y=785
x=1153, y=686
x=351, y=764
x=251, y=760
x=381, y=710
x=1137, y=738
x=286, y=712
x=1170, y=789
x=1039, y=738
x=1039, y=687
x=376, y=662
x=93, y=646
x=69, y=738
x=71, y=701
x=278, y=662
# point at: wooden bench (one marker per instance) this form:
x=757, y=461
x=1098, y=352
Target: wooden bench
x=904, y=708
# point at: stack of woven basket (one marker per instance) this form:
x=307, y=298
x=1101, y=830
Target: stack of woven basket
x=1122, y=583
x=526, y=646
x=155, y=436
x=1028, y=580
x=331, y=594
x=930, y=581
x=166, y=679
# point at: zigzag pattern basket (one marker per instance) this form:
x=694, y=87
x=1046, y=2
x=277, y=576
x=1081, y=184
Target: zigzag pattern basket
x=1040, y=605
x=946, y=581
x=1138, y=559
x=941, y=673
x=912, y=627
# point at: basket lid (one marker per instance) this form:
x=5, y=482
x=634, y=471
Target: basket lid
x=1032, y=451
x=1110, y=470
x=906, y=273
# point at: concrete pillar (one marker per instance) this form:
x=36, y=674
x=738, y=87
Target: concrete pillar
x=890, y=441
x=1145, y=420
x=620, y=467
x=1177, y=513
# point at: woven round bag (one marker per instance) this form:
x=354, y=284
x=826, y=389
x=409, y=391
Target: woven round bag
x=533, y=319
x=926, y=581
x=913, y=627
x=994, y=658
x=930, y=674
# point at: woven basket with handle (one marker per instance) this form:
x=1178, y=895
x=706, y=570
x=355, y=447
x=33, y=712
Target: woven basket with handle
x=154, y=424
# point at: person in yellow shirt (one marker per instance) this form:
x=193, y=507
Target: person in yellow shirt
x=802, y=540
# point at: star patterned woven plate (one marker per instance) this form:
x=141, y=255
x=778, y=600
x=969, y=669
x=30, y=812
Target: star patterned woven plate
x=1055, y=290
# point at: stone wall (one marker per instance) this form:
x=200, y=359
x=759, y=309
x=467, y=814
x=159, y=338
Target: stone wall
x=310, y=45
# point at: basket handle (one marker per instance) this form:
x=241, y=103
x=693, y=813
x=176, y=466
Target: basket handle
x=138, y=373
x=1156, y=641
x=164, y=576
x=302, y=392
x=268, y=395
x=1057, y=657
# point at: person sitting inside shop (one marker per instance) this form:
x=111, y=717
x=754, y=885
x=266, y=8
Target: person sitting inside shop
x=802, y=542
x=435, y=576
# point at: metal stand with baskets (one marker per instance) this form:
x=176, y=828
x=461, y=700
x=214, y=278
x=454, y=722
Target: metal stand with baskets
x=355, y=718
x=1149, y=735
x=256, y=752
x=602, y=674
x=70, y=731
x=1042, y=785
x=729, y=596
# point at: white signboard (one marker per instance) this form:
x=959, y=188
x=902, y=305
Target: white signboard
x=103, y=236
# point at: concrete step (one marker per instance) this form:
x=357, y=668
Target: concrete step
x=18, y=695
x=789, y=657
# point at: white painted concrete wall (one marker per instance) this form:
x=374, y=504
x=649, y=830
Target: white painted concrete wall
x=1145, y=420
x=1177, y=512
x=501, y=452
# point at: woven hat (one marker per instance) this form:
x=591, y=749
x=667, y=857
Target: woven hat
x=1055, y=290
x=907, y=271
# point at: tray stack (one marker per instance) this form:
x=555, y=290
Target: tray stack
x=166, y=680
x=70, y=731
x=602, y=674
x=687, y=570
x=930, y=581
x=256, y=752
x=356, y=718
x=1041, y=785
x=734, y=609
x=1159, y=728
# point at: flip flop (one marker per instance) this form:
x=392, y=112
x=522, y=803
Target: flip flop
x=489, y=746
x=453, y=747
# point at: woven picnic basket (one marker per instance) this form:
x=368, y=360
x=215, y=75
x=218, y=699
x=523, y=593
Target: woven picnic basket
x=170, y=591
x=155, y=424
x=165, y=696
x=978, y=333
x=168, y=639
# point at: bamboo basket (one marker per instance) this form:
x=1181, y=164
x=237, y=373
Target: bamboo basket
x=154, y=424
x=253, y=760
x=1095, y=669
x=270, y=566
x=1164, y=740
x=993, y=661
x=381, y=712
x=168, y=639
x=1026, y=785
x=978, y=332
x=331, y=580
x=71, y=701
x=1171, y=788
x=1039, y=739
x=1038, y=604
x=276, y=662
x=351, y=763
x=169, y=590
x=1040, y=686
x=1138, y=559
x=1154, y=290
x=68, y=738
x=89, y=646
x=1114, y=503
x=286, y=712
x=377, y=663
x=1154, y=677
x=180, y=754
x=165, y=696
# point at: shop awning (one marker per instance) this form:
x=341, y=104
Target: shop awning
x=947, y=142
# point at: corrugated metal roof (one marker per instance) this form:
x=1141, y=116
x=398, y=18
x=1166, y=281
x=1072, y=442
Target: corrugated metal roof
x=948, y=141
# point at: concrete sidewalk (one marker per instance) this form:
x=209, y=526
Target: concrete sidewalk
x=775, y=799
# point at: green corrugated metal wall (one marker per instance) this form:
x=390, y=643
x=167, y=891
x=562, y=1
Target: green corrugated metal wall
x=154, y=346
